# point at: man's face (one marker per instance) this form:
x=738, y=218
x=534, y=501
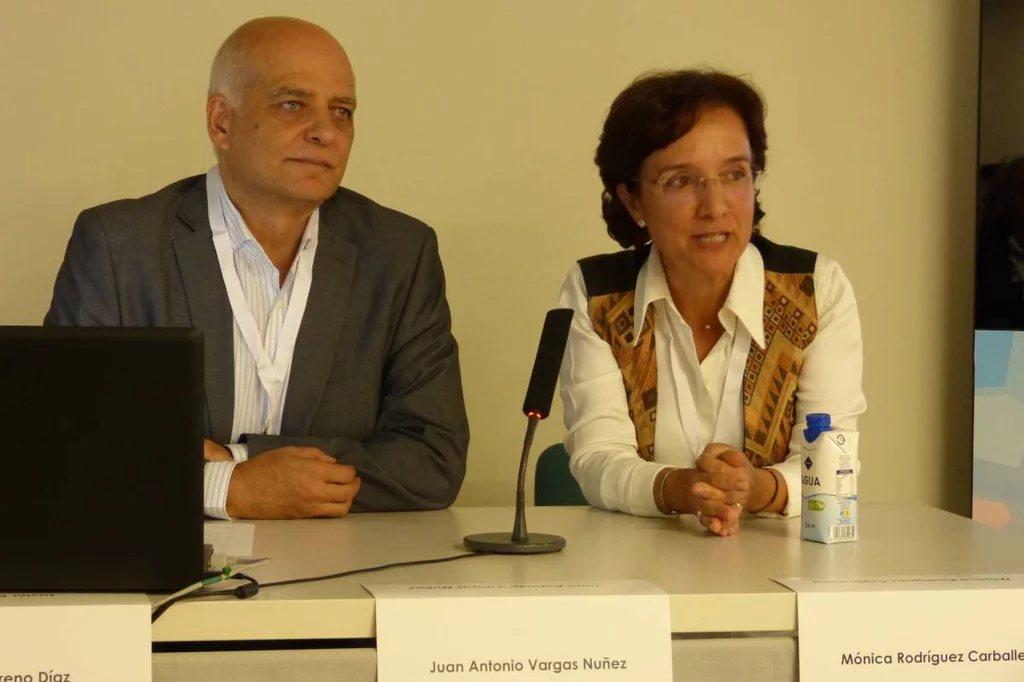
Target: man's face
x=288, y=139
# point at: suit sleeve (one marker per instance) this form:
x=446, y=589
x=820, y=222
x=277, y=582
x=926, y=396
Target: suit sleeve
x=416, y=460
x=84, y=294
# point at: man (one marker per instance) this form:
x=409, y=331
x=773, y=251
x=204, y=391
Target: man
x=332, y=377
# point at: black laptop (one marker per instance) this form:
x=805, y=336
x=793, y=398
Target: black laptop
x=101, y=459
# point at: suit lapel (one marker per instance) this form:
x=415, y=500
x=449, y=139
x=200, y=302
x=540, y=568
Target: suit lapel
x=209, y=308
x=322, y=322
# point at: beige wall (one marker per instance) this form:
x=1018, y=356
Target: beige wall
x=481, y=118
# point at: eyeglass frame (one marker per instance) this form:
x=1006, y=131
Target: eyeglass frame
x=755, y=175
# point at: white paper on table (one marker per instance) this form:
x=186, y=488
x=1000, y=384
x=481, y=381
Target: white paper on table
x=75, y=637
x=609, y=630
x=910, y=627
x=230, y=538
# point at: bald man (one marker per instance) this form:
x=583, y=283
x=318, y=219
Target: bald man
x=332, y=377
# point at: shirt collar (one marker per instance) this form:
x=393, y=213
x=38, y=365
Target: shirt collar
x=745, y=301
x=235, y=224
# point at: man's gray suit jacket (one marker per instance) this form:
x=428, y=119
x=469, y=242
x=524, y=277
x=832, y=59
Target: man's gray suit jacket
x=375, y=376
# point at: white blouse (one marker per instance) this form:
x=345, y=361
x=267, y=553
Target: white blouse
x=698, y=402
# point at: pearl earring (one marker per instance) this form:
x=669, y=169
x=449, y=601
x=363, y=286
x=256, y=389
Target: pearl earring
x=641, y=223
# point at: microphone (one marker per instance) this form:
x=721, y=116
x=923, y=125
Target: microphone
x=536, y=406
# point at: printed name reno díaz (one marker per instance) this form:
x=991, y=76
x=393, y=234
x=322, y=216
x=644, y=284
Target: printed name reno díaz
x=41, y=676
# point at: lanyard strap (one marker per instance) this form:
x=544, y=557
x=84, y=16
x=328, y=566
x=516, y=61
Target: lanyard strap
x=272, y=372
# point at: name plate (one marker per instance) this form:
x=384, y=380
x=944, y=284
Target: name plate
x=615, y=630
x=75, y=638
x=910, y=628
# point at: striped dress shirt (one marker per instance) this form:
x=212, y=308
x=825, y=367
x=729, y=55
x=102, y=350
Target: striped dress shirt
x=268, y=300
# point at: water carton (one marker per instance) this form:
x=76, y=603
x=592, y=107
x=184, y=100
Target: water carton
x=829, y=482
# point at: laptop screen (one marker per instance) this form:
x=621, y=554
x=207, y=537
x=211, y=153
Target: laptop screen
x=101, y=467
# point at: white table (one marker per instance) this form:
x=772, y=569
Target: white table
x=729, y=620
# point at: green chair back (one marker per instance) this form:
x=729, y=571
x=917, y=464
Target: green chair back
x=553, y=484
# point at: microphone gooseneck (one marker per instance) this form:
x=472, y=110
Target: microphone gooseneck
x=519, y=533
x=536, y=406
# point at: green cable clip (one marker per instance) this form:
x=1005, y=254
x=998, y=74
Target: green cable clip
x=225, y=574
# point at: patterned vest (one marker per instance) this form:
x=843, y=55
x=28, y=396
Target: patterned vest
x=770, y=375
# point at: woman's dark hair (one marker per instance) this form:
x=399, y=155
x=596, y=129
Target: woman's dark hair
x=655, y=111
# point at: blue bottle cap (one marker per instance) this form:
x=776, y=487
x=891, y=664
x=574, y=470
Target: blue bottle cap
x=821, y=420
x=816, y=423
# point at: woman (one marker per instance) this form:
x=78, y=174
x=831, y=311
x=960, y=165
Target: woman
x=696, y=354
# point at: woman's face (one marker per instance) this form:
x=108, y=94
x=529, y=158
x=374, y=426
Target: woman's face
x=697, y=195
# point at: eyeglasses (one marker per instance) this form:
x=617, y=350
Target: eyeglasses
x=687, y=187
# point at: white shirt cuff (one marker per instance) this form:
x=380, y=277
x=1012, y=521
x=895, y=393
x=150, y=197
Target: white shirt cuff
x=641, y=497
x=790, y=470
x=239, y=451
x=216, y=479
x=619, y=481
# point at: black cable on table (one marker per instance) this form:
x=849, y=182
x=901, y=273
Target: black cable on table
x=252, y=586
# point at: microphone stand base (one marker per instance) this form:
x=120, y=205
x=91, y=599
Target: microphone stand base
x=502, y=543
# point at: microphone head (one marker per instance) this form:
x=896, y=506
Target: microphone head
x=547, y=364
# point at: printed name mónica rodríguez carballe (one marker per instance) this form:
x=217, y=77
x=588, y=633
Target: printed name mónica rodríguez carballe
x=930, y=657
